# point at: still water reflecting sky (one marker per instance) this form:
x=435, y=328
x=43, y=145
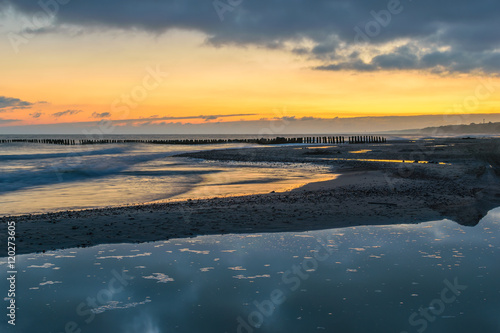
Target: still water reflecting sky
x=432, y=277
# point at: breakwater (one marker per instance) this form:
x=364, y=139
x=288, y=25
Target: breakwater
x=262, y=141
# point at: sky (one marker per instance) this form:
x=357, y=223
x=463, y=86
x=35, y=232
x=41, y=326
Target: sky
x=237, y=66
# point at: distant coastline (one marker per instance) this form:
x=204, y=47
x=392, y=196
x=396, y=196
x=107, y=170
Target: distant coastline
x=490, y=128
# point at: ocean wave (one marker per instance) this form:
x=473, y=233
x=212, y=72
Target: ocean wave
x=72, y=168
x=15, y=157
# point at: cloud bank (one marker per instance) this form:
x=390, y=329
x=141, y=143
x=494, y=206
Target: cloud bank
x=101, y=115
x=66, y=113
x=446, y=36
x=272, y=127
x=36, y=114
x=9, y=104
x=7, y=121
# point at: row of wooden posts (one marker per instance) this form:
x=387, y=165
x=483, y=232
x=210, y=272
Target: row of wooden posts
x=263, y=141
x=341, y=139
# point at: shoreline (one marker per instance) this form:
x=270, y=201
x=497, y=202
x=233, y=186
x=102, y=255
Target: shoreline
x=90, y=227
x=365, y=193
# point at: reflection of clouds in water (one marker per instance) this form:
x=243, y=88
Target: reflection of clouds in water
x=194, y=251
x=49, y=283
x=162, y=278
x=141, y=324
x=237, y=268
x=493, y=216
x=130, y=256
x=45, y=283
x=46, y=265
x=359, y=255
x=242, y=277
x=440, y=231
x=193, y=241
x=206, y=269
x=115, y=305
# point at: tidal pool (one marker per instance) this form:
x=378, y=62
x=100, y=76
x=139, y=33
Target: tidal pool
x=431, y=277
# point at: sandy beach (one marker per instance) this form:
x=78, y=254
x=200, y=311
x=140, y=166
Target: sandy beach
x=397, y=182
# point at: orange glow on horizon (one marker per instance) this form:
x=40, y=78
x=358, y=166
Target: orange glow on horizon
x=206, y=81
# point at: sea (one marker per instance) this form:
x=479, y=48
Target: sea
x=41, y=178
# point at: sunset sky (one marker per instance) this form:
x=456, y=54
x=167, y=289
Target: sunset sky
x=242, y=61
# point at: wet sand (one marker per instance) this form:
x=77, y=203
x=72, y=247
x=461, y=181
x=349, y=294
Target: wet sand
x=397, y=182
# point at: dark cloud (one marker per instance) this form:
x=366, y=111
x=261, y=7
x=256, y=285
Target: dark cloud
x=301, y=51
x=309, y=118
x=150, y=120
x=7, y=121
x=357, y=64
x=208, y=118
x=9, y=104
x=320, y=29
x=204, y=117
x=66, y=113
x=410, y=57
x=292, y=118
x=36, y=114
x=101, y=115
